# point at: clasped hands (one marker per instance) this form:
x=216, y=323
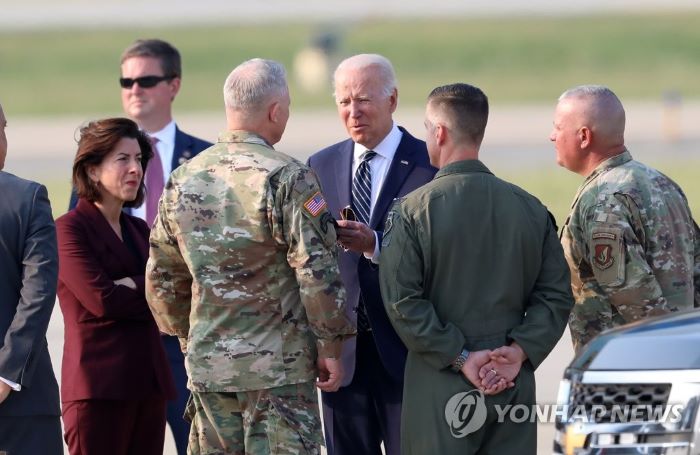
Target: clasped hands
x=493, y=371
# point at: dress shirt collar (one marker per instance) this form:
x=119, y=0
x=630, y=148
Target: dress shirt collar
x=166, y=136
x=386, y=149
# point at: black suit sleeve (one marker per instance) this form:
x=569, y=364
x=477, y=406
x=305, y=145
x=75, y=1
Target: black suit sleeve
x=37, y=295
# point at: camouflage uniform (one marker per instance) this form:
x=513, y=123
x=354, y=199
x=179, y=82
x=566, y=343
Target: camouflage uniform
x=243, y=270
x=282, y=420
x=632, y=246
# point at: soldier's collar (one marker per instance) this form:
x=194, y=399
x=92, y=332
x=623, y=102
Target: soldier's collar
x=463, y=167
x=610, y=163
x=602, y=168
x=247, y=137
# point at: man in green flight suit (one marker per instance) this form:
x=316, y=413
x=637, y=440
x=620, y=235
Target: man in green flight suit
x=630, y=240
x=470, y=264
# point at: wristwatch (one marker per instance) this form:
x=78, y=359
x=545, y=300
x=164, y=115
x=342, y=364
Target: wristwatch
x=459, y=361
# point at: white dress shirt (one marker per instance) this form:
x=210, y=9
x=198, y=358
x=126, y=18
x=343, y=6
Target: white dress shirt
x=13, y=385
x=379, y=168
x=166, y=149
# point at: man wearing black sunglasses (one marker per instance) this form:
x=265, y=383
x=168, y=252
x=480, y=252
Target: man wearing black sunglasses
x=150, y=80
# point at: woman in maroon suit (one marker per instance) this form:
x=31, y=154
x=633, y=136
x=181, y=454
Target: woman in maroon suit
x=115, y=377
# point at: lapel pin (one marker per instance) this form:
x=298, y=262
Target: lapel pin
x=404, y=162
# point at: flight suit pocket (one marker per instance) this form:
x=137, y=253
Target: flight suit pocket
x=607, y=255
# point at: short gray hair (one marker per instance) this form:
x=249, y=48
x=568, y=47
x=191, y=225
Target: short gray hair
x=252, y=83
x=599, y=92
x=604, y=109
x=384, y=68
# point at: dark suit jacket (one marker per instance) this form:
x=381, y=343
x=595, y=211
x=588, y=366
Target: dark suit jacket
x=29, y=266
x=112, y=345
x=409, y=169
x=186, y=147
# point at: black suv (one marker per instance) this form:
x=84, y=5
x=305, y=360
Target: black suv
x=634, y=390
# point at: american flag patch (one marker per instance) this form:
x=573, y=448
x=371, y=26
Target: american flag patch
x=315, y=204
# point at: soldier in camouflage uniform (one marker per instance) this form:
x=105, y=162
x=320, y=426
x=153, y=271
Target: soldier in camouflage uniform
x=631, y=243
x=243, y=270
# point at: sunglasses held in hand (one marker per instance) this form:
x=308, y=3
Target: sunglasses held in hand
x=143, y=81
x=347, y=213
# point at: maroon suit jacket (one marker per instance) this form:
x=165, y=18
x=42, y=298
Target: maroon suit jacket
x=112, y=345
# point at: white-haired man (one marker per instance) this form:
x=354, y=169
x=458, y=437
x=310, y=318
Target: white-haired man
x=243, y=270
x=631, y=242
x=365, y=173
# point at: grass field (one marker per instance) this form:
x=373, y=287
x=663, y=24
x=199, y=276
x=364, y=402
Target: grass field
x=514, y=60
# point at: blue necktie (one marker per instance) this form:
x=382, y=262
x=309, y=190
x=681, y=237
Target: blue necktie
x=362, y=188
x=362, y=203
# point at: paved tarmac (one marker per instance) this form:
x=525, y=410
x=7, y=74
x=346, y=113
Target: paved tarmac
x=516, y=136
x=548, y=377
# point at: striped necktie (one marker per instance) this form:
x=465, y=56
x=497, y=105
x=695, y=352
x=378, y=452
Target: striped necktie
x=362, y=188
x=362, y=203
x=154, y=183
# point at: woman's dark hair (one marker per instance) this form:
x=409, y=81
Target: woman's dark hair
x=97, y=140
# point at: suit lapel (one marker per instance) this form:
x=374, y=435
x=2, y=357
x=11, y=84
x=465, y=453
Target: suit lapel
x=399, y=169
x=343, y=173
x=182, y=150
x=104, y=231
x=136, y=237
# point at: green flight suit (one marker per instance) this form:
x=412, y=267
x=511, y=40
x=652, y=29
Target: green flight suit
x=469, y=260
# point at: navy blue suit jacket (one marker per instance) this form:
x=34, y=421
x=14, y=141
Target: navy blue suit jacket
x=186, y=147
x=409, y=170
